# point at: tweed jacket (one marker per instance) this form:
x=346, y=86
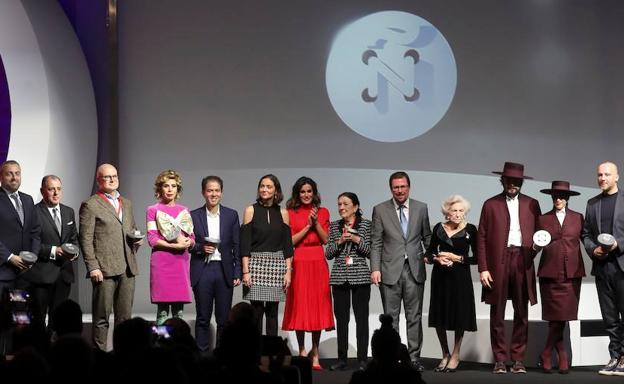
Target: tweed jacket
x=357, y=273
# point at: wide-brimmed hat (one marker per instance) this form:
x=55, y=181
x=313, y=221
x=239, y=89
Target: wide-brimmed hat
x=514, y=170
x=560, y=187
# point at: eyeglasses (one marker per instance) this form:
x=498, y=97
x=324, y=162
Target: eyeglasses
x=109, y=177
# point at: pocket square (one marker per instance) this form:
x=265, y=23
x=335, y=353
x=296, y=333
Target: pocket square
x=70, y=223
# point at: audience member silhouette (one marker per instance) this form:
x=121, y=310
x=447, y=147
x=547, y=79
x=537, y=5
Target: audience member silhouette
x=391, y=361
x=67, y=319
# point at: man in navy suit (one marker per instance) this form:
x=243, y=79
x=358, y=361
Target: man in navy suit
x=215, y=260
x=50, y=279
x=19, y=225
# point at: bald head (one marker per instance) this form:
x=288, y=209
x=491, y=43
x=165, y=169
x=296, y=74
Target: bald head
x=607, y=177
x=107, y=179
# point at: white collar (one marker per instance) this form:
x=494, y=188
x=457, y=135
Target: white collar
x=405, y=204
x=210, y=214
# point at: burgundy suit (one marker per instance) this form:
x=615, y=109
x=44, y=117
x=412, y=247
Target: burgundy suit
x=511, y=269
x=561, y=266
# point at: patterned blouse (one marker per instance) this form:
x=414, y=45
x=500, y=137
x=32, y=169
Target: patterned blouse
x=357, y=273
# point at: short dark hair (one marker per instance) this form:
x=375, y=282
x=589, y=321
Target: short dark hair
x=45, y=178
x=295, y=201
x=354, y=199
x=279, y=196
x=210, y=178
x=399, y=175
x=10, y=162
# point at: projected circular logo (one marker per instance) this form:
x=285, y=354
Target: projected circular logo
x=390, y=76
x=5, y=114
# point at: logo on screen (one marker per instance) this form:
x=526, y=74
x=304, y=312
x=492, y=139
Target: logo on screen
x=390, y=76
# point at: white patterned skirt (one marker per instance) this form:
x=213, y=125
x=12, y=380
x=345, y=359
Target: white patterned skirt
x=267, y=277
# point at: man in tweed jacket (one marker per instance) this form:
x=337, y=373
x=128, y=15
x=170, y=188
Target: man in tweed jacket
x=106, y=221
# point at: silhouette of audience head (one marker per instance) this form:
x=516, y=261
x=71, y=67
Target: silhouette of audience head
x=67, y=318
x=71, y=359
x=386, y=342
x=132, y=337
x=243, y=311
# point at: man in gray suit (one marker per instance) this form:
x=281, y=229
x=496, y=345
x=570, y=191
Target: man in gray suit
x=106, y=236
x=401, y=234
x=605, y=214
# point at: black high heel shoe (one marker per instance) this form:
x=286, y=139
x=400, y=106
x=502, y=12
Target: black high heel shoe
x=451, y=370
x=442, y=366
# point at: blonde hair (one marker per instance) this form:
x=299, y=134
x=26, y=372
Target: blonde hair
x=454, y=199
x=163, y=177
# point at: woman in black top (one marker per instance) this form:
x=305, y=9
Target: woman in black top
x=452, y=306
x=266, y=251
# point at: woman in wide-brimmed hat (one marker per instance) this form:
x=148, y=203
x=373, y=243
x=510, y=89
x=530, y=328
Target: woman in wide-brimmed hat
x=560, y=271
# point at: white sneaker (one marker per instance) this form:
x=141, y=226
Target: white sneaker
x=608, y=369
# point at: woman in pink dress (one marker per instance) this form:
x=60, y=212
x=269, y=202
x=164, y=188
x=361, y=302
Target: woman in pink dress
x=308, y=302
x=170, y=234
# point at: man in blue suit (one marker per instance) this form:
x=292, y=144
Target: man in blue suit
x=215, y=260
x=19, y=225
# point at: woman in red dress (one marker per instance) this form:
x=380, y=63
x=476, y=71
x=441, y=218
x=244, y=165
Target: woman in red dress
x=308, y=302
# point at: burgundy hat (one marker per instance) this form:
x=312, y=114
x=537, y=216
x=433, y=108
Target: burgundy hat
x=514, y=170
x=561, y=187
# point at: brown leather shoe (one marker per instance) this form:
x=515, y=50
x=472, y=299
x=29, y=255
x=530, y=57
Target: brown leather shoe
x=518, y=367
x=499, y=368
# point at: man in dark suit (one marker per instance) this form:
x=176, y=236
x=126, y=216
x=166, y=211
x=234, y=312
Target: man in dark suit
x=19, y=225
x=400, y=236
x=215, y=260
x=50, y=279
x=605, y=214
x=505, y=257
x=107, y=230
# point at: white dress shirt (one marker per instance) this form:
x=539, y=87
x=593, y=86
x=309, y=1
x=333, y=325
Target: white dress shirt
x=515, y=236
x=405, y=212
x=560, y=215
x=214, y=231
x=51, y=210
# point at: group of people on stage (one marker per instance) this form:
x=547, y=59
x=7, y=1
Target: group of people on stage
x=280, y=254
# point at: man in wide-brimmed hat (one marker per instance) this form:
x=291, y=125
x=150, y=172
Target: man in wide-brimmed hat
x=560, y=271
x=508, y=221
x=605, y=215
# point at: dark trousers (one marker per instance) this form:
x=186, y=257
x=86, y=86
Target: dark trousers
x=45, y=297
x=114, y=294
x=360, y=296
x=211, y=290
x=610, y=287
x=516, y=289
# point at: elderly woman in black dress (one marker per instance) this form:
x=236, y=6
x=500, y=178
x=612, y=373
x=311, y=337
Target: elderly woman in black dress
x=452, y=306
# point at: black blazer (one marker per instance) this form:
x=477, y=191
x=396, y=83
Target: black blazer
x=15, y=237
x=591, y=230
x=229, y=247
x=47, y=271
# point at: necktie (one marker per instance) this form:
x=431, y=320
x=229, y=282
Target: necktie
x=18, y=207
x=57, y=220
x=403, y=219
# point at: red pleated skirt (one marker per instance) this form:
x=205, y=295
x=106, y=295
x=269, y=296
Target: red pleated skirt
x=308, y=301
